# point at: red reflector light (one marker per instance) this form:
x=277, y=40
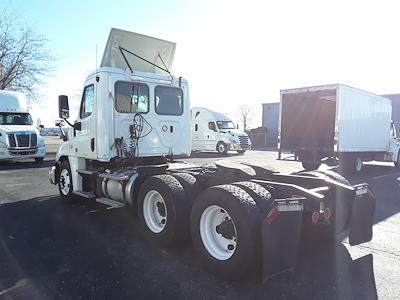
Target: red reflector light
x=272, y=215
x=327, y=213
x=315, y=217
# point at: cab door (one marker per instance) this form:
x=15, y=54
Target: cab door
x=394, y=144
x=86, y=137
x=211, y=136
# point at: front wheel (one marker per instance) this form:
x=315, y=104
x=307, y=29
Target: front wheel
x=225, y=228
x=222, y=148
x=397, y=162
x=65, y=181
x=241, y=151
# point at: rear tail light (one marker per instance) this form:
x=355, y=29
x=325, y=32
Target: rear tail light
x=315, y=217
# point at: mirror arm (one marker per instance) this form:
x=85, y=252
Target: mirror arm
x=72, y=125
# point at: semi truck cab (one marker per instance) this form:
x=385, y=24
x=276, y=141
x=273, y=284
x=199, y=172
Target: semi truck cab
x=19, y=138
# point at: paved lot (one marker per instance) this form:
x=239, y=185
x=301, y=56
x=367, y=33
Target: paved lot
x=82, y=250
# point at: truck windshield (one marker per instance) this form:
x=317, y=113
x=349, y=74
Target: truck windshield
x=225, y=125
x=15, y=119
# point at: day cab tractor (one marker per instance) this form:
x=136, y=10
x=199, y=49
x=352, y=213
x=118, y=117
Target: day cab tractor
x=135, y=116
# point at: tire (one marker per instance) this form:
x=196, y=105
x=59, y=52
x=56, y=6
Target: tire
x=189, y=184
x=39, y=159
x=310, y=166
x=352, y=165
x=241, y=151
x=260, y=195
x=65, y=186
x=165, y=220
x=334, y=176
x=229, y=203
x=222, y=148
x=397, y=162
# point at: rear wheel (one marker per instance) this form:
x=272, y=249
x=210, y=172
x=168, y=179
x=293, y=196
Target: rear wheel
x=189, y=184
x=241, y=151
x=222, y=148
x=225, y=227
x=163, y=210
x=309, y=166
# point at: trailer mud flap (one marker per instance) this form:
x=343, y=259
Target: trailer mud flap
x=281, y=231
x=362, y=216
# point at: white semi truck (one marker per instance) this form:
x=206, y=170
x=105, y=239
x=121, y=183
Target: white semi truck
x=134, y=117
x=19, y=138
x=212, y=131
x=337, y=121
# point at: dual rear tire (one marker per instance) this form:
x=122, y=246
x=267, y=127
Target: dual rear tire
x=223, y=221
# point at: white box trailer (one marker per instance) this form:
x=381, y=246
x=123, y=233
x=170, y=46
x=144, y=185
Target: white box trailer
x=337, y=121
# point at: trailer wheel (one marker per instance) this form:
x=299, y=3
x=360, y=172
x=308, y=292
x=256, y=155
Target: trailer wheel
x=225, y=228
x=163, y=210
x=260, y=195
x=65, y=181
x=189, y=184
x=222, y=148
x=310, y=166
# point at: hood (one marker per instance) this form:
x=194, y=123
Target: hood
x=14, y=128
x=144, y=46
x=234, y=131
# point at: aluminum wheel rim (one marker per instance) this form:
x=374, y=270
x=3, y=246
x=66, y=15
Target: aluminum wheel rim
x=217, y=246
x=221, y=148
x=64, y=182
x=358, y=164
x=154, y=211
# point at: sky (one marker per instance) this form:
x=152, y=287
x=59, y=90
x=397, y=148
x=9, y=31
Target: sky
x=231, y=52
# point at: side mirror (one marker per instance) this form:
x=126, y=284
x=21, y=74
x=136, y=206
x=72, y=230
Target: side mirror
x=237, y=126
x=59, y=123
x=63, y=107
x=41, y=126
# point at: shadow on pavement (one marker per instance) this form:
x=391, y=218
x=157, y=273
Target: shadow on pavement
x=383, y=181
x=25, y=164
x=56, y=250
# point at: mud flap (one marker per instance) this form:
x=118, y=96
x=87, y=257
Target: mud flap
x=362, y=216
x=281, y=231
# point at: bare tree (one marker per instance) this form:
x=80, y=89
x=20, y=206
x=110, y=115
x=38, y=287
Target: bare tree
x=245, y=115
x=24, y=57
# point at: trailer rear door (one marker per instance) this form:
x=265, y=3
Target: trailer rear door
x=308, y=118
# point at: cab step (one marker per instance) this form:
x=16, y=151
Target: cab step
x=86, y=172
x=110, y=202
x=87, y=195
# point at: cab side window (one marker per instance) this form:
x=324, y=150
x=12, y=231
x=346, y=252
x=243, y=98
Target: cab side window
x=87, y=102
x=211, y=126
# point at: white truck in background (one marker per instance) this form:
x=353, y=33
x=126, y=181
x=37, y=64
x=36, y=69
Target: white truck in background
x=340, y=122
x=212, y=131
x=19, y=138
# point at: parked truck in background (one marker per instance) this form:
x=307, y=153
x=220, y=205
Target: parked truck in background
x=337, y=121
x=19, y=138
x=212, y=131
x=133, y=119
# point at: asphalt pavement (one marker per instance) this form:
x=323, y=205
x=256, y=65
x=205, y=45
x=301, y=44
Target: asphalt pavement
x=50, y=249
